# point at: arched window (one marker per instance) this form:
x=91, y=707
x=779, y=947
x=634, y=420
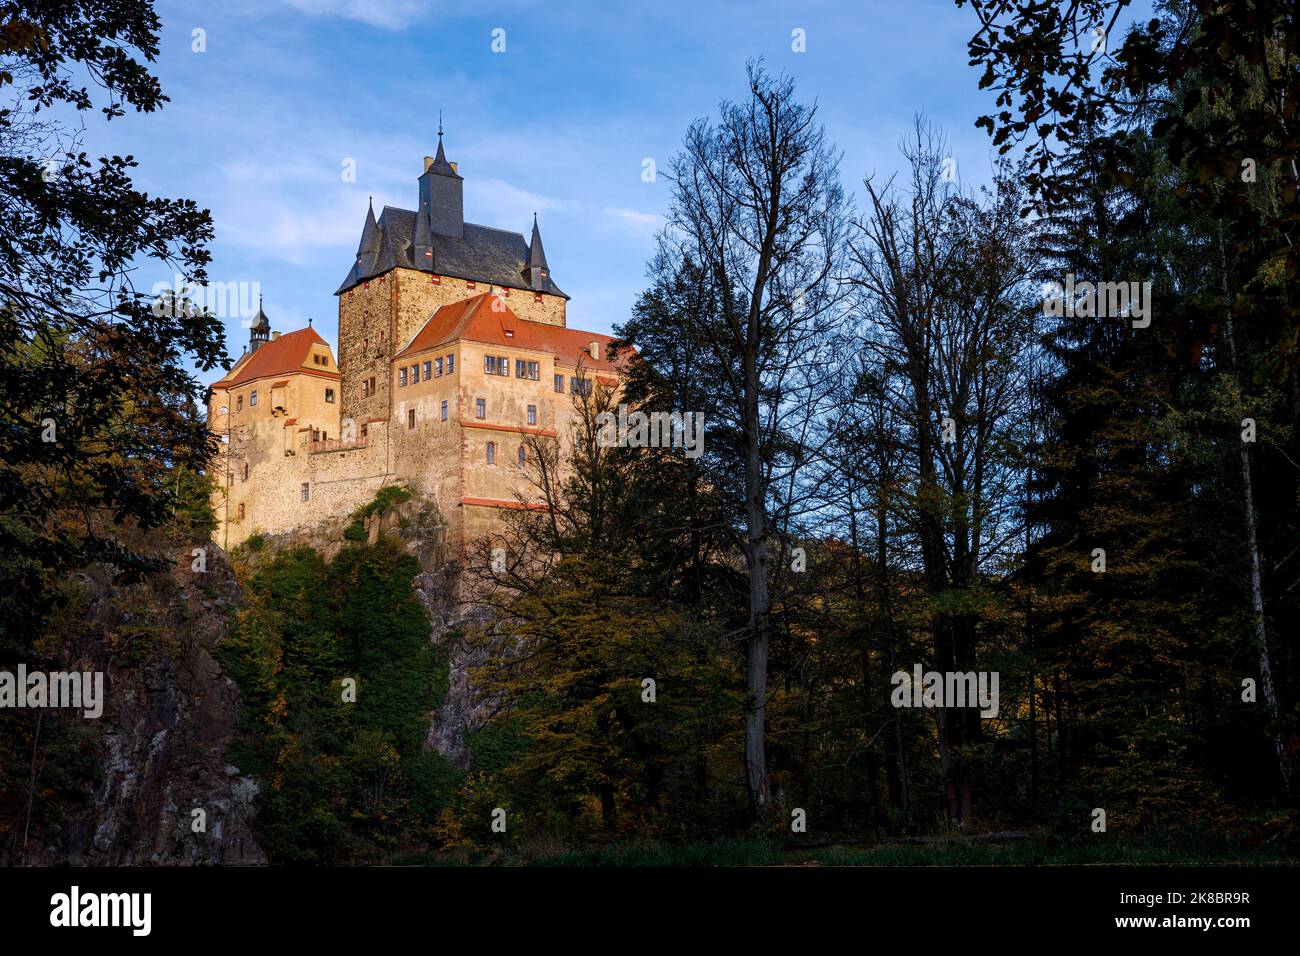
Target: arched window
x=523, y=456
x=491, y=452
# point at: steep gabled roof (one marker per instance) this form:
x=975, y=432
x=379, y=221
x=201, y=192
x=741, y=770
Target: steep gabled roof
x=484, y=254
x=477, y=320
x=283, y=356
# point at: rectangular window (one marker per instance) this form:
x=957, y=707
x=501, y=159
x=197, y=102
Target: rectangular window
x=239, y=403
x=438, y=367
x=491, y=452
x=428, y=370
x=534, y=371
x=523, y=456
x=580, y=386
x=559, y=383
x=480, y=408
x=503, y=365
x=444, y=411
x=410, y=418
x=329, y=396
x=365, y=388
x=532, y=414
x=489, y=365
x=252, y=399
x=451, y=364
x=315, y=435
x=241, y=512
x=304, y=493
x=365, y=430
x=521, y=368
x=401, y=376
x=245, y=471
x=415, y=373
x=373, y=390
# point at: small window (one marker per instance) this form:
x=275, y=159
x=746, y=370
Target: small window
x=438, y=367
x=410, y=418
x=534, y=371
x=245, y=478
x=489, y=365
x=503, y=366
x=559, y=383
x=365, y=430
x=523, y=456
x=521, y=368
x=491, y=453
x=480, y=408
x=365, y=343
x=451, y=364
x=444, y=411
x=365, y=388
x=241, y=512
x=537, y=297
x=415, y=373
x=329, y=396
x=252, y=399
x=239, y=403
x=428, y=370
x=304, y=493
x=401, y=376
x=532, y=414
x=315, y=435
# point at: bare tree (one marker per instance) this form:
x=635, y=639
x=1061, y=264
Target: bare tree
x=757, y=204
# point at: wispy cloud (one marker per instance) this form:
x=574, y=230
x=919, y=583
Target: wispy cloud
x=647, y=221
x=388, y=14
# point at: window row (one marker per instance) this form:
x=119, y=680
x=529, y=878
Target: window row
x=521, y=456
x=500, y=365
x=252, y=397
x=432, y=368
x=480, y=411
x=578, y=386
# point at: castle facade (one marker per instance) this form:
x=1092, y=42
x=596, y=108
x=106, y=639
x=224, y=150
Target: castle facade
x=453, y=349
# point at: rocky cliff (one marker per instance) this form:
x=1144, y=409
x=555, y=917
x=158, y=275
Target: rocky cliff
x=169, y=716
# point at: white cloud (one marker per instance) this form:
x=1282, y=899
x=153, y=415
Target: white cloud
x=642, y=220
x=388, y=14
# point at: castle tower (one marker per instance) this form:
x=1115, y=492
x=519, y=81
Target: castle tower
x=259, y=331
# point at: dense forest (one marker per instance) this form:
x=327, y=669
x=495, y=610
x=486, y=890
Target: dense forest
x=1042, y=431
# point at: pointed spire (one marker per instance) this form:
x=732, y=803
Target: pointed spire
x=370, y=238
x=440, y=164
x=259, y=330
x=538, y=272
x=422, y=241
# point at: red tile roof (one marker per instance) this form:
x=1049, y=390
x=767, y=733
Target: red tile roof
x=476, y=320
x=283, y=356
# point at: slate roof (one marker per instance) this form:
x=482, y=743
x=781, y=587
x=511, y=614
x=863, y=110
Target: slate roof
x=485, y=254
x=476, y=320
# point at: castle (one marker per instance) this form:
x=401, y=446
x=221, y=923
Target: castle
x=453, y=348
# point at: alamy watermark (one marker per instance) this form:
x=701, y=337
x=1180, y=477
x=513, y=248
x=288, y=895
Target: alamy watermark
x=1104, y=300
x=923, y=688
x=80, y=691
x=683, y=430
x=224, y=300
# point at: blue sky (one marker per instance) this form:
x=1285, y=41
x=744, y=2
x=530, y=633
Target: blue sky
x=260, y=125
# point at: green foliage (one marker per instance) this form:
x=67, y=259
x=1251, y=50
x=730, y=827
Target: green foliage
x=341, y=781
